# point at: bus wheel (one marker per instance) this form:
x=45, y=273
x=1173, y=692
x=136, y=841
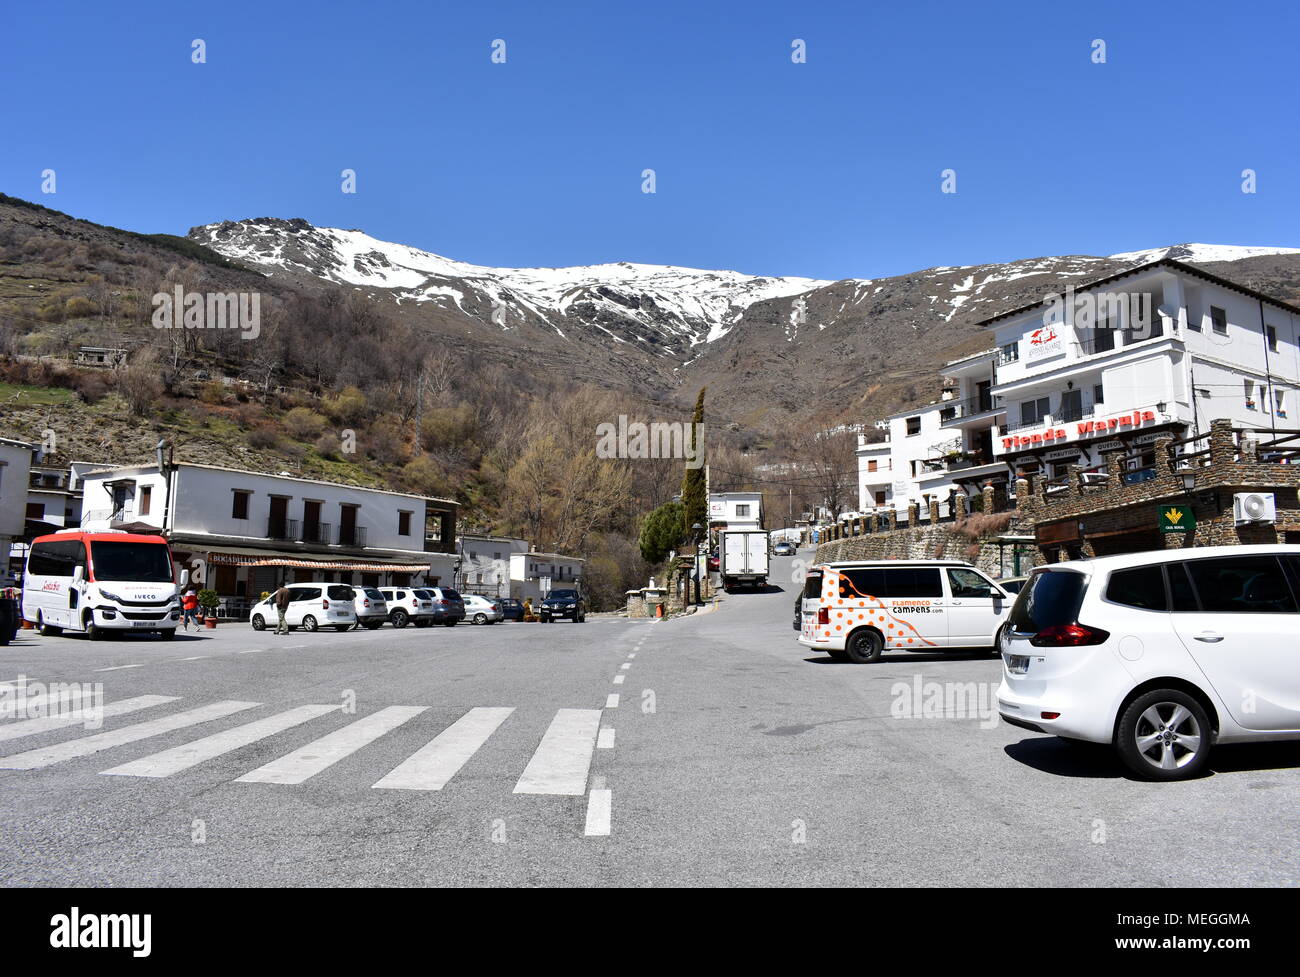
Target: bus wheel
x=92, y=632
x=864, y=646
x=46, y=630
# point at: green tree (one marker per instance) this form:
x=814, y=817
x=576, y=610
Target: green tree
x=695, y=506
x=660, y=532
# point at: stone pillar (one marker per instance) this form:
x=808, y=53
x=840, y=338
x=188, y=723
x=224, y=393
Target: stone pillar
x=1223, y=444
x=959, y=506
x=1164, y=464
x=913, y=514
x=892, y=516
x=1073, y=479
x=988, y=499
x=862, y=525
x=934, y=511
x=1022, y=488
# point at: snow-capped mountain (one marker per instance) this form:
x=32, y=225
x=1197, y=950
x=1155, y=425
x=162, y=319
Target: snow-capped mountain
x=773, y=344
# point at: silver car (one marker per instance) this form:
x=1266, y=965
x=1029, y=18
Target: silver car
x=371, y=608
x=481, y=610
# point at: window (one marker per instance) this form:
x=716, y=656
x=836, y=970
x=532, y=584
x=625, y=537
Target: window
x=36, y=510
x=1181, y=595
x=1098, y=394
x=880, y=497
x=1049, y=597
x=1071, y=405
x=239, y=505
x=742, y=512
x=146, y=499
x=305, y=593
x=1249, y=387
x=403, y=523
x=871, y=464
x=1142, y=587
x=1033, y=411
x=1279, y=402
x=1218, y=320
x=913, y=425
x=1242, y=585
x=56, y=559
x=1010, y=353
x=496, y=556
x=892, y=582
x=1271, y=333
x=144, y=562
x=1102, y=339
x=968, y=583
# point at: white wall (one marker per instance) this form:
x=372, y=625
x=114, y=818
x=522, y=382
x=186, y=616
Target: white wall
x=15, y=468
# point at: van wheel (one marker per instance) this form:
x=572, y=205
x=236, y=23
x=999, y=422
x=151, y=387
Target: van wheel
x=259, y=622
x=864, y=646
x=47, y=630
x=1164, y=735
x=399, y=619
x=309, y=623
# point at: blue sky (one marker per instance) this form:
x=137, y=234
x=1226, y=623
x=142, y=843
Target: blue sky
x=829, y=169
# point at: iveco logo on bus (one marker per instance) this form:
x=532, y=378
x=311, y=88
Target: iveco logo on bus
x=1082, y=429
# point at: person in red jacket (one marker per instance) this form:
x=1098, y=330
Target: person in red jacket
x=190, y=609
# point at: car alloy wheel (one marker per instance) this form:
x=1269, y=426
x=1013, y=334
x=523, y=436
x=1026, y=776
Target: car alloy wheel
x=309, y=623
x=399, y=619
x=1165, y=735
x=259, y=622
x=480, y=618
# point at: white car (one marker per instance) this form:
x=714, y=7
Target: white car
x=370, y=607
x=1160, y=654
x=408, y=605
x=480, y=610
x=311, y=606
x=854, y=611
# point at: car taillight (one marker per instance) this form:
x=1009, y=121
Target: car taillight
x=1068, y=636
x=365, y=603
x=445, y=603
x=824, y=615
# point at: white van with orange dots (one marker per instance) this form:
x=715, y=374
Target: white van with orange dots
x=856, y=611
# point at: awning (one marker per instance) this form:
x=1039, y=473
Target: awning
x=242, y=560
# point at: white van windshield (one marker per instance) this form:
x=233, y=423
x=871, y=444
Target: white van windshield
x=137, y=562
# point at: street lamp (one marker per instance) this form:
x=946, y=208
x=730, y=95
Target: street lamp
x=698, y=532
x=1189, y=480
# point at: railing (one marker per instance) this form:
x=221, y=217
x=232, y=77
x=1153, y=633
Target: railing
x=317, y=532
x=1282, y=447
x=277, y=527
x=957, y=409
x=352, y=535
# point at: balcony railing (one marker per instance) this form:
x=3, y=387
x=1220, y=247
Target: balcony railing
x=957, y=409
x=278, y=527
x=352, y=535
x=319, y=533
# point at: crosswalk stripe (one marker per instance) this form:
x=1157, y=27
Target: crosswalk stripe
x=86, y=745
x=562, y=759
x=13, y=705
x=438, y=761
x=331, y=748
x=29, y=727
x=188, y=755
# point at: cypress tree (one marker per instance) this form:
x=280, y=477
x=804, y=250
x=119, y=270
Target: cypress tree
x=695, y=507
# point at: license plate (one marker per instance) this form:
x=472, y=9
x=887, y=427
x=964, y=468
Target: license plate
x=1019, y=664
x=142, y=624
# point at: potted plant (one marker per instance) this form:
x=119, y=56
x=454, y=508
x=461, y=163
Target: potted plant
x=208, y=601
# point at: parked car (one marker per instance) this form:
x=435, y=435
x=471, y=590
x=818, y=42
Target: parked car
x=1198, y=648
x=511, y=609
x=448, y=606
x=854, y=611
x=311, y=606
x=482, y=610
x=371, y=608
x=407, y=606
x=563, y=604
x=784, y=548
x=1012, y=585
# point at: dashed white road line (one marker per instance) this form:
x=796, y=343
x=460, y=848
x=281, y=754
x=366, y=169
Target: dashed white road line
x=118, y=668
x=611, y=701
x=436, y=763
x=625, y=666
x=605, y=741
x=331, y=748
x=599, y=808
x=187, y=755
x=192, y=658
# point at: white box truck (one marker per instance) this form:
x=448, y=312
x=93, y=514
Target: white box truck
x=744, y=558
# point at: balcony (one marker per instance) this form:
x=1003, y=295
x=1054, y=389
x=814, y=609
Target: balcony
x=352, y=535
x=958, y=410
x=319, y=533
x=278, y=527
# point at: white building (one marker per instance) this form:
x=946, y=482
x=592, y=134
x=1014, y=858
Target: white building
x=736, y=510
x=242, y=533
x=1101, y=368
x=485, y=563
x=15, y=466
x=53, y=499
x=1085, y=376
x=534, y=575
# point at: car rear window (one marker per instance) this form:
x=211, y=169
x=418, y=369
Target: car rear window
x=1050, y=597
x=812, y=584
x=1141, y=587
x=423, y=594
x=450, y=594
x=340, y=592
x=373, y=594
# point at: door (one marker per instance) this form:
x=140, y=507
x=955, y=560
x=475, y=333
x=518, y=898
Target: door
x=1242, y=635
x=279, y=524
x=311, y=522
x=347, y=525
x=975, y=608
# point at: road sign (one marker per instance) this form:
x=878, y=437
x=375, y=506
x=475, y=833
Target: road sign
x=1177, y=519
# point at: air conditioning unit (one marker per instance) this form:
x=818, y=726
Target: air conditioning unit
x=1253, y=507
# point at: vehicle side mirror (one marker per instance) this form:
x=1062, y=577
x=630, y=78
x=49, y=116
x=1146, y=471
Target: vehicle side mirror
x=185, y=579
x=78, y=574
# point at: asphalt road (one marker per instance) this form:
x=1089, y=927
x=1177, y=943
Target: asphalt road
x=732, y=757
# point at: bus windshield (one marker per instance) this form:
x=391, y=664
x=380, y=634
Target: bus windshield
x=136, y=562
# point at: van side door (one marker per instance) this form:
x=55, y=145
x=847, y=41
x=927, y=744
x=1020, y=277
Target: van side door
x=916, y=608
x=976, y=608
x=1242, y=635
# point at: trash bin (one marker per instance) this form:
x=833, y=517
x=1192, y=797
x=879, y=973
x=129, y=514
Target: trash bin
x=8, y=619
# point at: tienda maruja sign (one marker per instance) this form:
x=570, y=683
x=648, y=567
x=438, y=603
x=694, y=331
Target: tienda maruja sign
x=1080, y=429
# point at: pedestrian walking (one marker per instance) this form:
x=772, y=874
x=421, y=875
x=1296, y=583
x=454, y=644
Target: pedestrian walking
x=281, y=605
x=190, y=609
